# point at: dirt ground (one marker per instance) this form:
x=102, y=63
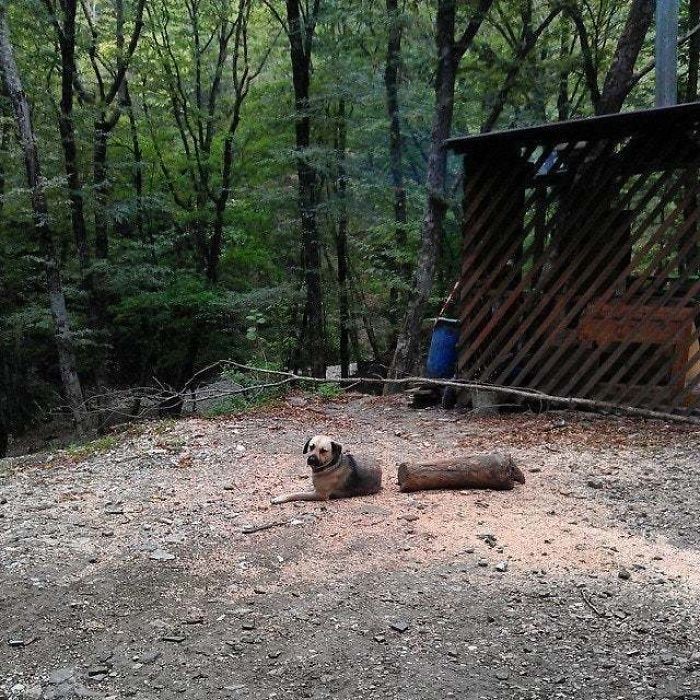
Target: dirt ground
x=126, y=572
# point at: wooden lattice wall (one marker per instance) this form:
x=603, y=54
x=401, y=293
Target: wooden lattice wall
x=581, y=259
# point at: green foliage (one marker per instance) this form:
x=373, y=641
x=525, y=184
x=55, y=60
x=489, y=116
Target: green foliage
x=152, y=310
x=329, y=391
x=86, y=450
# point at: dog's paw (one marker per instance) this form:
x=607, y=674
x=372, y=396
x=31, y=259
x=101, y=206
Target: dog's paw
x=276, y=501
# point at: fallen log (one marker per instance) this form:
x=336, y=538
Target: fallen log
x=482, y=471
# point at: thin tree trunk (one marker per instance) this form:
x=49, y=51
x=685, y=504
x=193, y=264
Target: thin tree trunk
x=691, y=90
x=137, y=170
x=690, y=263
x=66, y=42
x=620, y=77
x=300, y=54
x=4, y=138
x=102, y=129
x=342, y=239
x=57, y=302
x=226, y=177
x=391, y=81
x=563, y=99
x=450, y=51
x=528, y=41
x=408, y=343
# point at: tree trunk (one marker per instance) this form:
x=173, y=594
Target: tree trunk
x=563, y=99
x=620, y=77
x=342, y=240
x=486, y=471
x=407, y=351
x=222, y=200
x=300, y=54
x=66, y=42
x=4, y=438
x=102, y=130
x=691, y=90
x=57, y=302
x=137, y=170
x=391, y=81
x=690, y=263
x=4, y=138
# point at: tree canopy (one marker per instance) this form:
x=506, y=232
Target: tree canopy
x=264, y=180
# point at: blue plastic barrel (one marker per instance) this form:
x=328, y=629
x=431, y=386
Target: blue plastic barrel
x=442, y=355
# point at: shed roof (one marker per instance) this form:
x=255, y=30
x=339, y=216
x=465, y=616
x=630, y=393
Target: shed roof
x=605, y=126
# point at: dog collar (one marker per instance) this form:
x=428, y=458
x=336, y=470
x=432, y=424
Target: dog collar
x=333, y=463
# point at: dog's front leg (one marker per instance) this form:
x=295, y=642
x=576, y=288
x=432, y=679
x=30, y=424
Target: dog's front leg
x=304, y=496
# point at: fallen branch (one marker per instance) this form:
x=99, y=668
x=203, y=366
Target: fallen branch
x=570, y=401
x=586, y=600
x=250, y=529
x=289, y=378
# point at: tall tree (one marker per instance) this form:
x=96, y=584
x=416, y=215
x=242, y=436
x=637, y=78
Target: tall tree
x=197, y=107
x=392, y=81
x=299, y=23
x=57, y=302
x=63, y=20
x=620, y=77
x=109, y=102
x=451, y=48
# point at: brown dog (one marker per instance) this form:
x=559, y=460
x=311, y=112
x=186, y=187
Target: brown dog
x=335, y=474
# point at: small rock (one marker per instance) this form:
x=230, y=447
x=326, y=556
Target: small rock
x=228, y=487
x=502, y=566
x=488, y=538
x=595, y=483
x=98, y=673
x=502, y=674
x=161, y=555
x=483, y=563
x=61, y=675
x=248, y=624
x=409, y=518
x=274, y=654
x=624, y=574
x=149, y=657
x=380, y=638
x=373, y=510
x=399, y=625
x=177, y=638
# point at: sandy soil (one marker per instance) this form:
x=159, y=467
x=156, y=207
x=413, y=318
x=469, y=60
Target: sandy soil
x=127, y=573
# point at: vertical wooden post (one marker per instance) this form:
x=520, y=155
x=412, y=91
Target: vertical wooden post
x=666, y=52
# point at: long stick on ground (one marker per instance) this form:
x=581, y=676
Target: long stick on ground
x=570, y=401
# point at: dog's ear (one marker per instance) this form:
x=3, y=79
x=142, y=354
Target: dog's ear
x=336, y=448
x=306, y=447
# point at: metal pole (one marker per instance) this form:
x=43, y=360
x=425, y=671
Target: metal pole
x=666, y=52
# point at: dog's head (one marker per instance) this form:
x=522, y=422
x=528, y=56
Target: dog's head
x=322, y=451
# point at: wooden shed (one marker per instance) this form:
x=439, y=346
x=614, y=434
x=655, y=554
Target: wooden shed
x=581, y=258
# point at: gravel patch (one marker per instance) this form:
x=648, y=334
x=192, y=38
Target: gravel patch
x=129, y=573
